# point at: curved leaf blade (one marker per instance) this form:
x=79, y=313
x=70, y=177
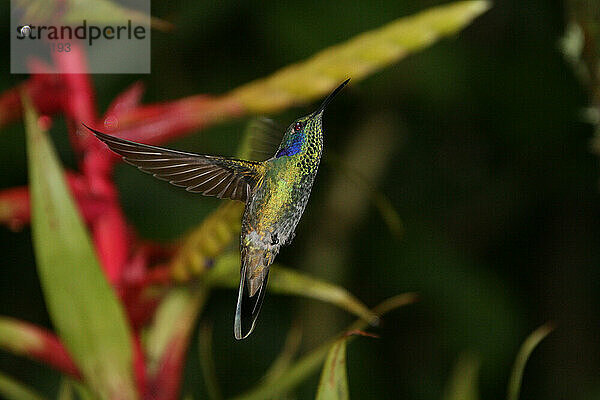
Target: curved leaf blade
x=175, y=317
x=83, y=307
x=95, y=11
x=226, y=273
x=309, y=363
x=19, y=337
x=28, y=340
x=516, y=377
x=166, y=340
x=463, y=381
x=207, y=362
x=14, y=390
x=286, y=356
x=71, y=389
x=356, y=58
x=334, y=378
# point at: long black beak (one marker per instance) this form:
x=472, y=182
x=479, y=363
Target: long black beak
x=330, y=97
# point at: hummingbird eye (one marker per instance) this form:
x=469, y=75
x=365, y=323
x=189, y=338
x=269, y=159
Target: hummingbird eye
x=298, y=126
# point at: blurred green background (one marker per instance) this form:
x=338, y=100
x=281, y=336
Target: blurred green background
x=481, y=148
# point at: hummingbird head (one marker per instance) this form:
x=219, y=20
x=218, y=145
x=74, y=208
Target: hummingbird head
x=308, y=125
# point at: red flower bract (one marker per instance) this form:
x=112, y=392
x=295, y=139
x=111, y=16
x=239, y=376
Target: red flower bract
x=129, y=264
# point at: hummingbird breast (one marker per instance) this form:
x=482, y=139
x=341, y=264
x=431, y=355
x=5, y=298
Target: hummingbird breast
x=278, y=202
x=273, y=211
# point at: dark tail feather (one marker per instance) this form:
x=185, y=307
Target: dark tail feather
x=248, y=308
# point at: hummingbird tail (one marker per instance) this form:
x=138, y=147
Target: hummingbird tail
x=253, y=287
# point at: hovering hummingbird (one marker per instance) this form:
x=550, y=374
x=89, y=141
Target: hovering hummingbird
x=275, y=192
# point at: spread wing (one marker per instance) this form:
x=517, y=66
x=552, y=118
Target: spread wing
x=212, y=176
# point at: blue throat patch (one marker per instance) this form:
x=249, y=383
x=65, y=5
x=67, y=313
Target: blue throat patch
x=292, y=148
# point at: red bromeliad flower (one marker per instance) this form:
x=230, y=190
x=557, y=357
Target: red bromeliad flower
x=129, y=264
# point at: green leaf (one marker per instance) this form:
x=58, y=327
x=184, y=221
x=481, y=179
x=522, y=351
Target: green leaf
x=298, y=372
x=19, y=337
x=175, y=317
x=83, y=392
x=207, y=362
x=282, y=280
x=334, y=378
x=308, y=364
x=25, y=339
x=66, y=391
x=289, y=281
x=70, y=387
x=286, y=356
x=82, y=306
x=106, y=12
x=93, y=11
x=11, y=389
x=463, y=381
x=356, y=58
x=516, y=377
x=208, y=241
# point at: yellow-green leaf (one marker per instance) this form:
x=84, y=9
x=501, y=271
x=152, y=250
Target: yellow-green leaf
x=309, y=363
x=75, y=11
x=516, y=377
x=282, y=280
x=10, y=389
x=334, y=378
x=356, y=58
x=66, y=390
x=286, y=356
x=463, y=380
x=175, y=317
x=19, y=337
x=83, y=393
x=207, y=362
x=289, y=281
x=206, y=242
x=71, y=389
x=82, y=306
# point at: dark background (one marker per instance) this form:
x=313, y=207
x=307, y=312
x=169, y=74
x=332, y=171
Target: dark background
x=491, y=173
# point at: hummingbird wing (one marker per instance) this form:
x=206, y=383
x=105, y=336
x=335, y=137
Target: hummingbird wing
x=263, y=138
x=210, y=175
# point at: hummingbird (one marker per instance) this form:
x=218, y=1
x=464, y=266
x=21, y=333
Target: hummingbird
x=275, y=193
